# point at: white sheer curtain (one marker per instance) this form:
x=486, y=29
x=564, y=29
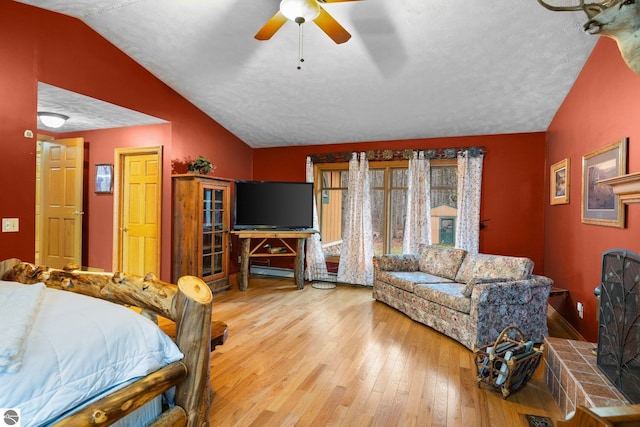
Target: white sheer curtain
x=356, y=258
x=417, y=225
x=469, y=186
x=316, y=265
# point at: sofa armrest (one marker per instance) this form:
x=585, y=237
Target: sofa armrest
x=520, y=303
x=512, y=292
x=392, y=262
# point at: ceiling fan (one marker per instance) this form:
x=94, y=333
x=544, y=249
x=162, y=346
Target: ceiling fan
x=301, y=11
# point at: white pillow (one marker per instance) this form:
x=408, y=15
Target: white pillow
x=80, y=348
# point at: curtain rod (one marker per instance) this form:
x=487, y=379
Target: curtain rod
x=404, y=154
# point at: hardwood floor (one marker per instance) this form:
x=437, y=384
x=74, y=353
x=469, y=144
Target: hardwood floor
x=317, y=357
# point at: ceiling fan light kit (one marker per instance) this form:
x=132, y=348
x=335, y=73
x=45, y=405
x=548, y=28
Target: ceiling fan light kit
x=301, y=11
x=308, y=10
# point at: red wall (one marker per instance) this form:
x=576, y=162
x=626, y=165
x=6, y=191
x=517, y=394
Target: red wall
x=37, y=45
x=602, y=107
x=513, y=189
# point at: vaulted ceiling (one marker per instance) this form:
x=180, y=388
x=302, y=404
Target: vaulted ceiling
x=412, y=68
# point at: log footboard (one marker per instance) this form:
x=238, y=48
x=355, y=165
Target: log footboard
x=188, y=303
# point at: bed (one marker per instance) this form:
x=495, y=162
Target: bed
x=154, y=381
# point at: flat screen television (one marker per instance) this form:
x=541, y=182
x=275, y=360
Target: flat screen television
x=269, y=205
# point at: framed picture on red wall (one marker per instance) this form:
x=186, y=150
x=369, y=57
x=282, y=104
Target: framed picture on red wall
x=104, y=178
x=600, y=205
x=560, y=176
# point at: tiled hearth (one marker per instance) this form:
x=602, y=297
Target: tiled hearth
x=573, y=377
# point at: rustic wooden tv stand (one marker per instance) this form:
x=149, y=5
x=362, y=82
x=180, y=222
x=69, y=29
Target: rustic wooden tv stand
x=259, y=251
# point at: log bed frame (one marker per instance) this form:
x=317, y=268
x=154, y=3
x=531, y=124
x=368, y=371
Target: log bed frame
x=188, y=304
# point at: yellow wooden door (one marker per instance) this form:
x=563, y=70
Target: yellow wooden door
x=140, y=213
x=61, y=202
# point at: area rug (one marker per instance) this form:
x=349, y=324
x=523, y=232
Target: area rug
x=538, y=421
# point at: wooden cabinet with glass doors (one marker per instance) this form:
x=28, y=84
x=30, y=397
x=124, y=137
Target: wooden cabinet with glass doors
x=201, y=229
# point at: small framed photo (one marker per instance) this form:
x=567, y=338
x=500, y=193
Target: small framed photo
x=560, y=176
x=600, y=205
x=104, y=178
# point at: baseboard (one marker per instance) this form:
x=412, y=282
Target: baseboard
x=559, y=326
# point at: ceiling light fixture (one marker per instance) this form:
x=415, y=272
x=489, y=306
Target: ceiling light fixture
x=300, y=11
x=52, y=120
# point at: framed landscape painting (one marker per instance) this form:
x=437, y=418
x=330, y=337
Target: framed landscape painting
x=600, y=205
x=560, y=175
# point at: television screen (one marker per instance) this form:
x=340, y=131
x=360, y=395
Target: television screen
x=273, y=205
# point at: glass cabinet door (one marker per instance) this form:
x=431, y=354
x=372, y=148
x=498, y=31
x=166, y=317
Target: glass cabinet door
x=213, y=231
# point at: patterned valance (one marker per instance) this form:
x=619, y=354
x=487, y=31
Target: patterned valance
x=404, y=154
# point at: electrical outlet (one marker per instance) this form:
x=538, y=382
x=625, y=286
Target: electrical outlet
x=580, y=310
x=239, y=259
x=10, y=225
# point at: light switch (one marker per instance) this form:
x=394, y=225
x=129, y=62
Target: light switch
x=10, y=225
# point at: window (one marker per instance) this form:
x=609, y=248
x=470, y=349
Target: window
x=333, y=191
x=388, y=205
x=388, y=183
x=444, y=201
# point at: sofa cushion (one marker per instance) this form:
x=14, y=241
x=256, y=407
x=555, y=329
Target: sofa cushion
x=407, y=279
x=440, y=260
x=397, y=262
x=446, y=294
x=484, y=266
x=468, y=288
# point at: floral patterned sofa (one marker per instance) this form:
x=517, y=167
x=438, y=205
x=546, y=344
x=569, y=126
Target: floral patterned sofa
x=469, y=297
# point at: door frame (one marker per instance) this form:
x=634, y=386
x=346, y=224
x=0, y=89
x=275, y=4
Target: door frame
x=118, y=181
x=40, y=240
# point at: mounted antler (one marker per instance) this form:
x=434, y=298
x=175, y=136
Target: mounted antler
x=621, y=23
x=591, y=9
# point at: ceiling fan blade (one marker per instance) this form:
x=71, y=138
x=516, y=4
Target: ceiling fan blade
x=331, y=27
x=335, y=1
x=271, y=26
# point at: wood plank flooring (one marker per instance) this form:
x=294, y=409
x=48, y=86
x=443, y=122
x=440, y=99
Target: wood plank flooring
x=317, y=357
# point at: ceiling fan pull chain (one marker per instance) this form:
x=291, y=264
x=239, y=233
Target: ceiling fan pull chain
x=300, y=42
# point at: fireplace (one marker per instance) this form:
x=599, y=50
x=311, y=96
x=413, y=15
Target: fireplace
x=619, y=322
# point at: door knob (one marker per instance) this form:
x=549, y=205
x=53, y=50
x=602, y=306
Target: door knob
x=125, y=229
x=77, y=212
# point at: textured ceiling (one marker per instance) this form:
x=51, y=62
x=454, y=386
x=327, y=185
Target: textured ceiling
x=412, y=69
x=86, y=113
